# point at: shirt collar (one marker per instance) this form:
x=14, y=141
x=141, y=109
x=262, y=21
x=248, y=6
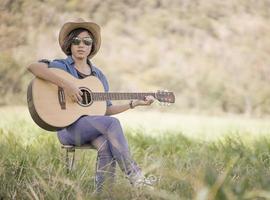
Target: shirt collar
x=93, y=68
x=70, y=60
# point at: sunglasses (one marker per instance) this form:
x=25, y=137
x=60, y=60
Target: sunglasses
x=87, y=41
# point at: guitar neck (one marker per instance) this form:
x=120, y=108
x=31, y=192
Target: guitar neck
x=101, y=96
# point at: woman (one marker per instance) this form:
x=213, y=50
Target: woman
x=80, y=41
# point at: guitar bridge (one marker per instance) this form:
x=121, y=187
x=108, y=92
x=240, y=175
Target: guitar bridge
x=61, y=98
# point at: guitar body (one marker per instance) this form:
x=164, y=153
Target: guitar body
x=52, y=110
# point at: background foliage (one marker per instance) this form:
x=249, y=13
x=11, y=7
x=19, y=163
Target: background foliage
x=212, y=54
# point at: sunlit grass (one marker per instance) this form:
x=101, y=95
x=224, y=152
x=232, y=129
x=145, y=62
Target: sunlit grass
x=207, y=128
x=193, y=157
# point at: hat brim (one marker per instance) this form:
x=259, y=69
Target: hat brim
x=90, y=26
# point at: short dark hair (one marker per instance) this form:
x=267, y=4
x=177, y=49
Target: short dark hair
x=71, y=35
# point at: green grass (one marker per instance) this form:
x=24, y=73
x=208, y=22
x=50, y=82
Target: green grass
x=187, y=166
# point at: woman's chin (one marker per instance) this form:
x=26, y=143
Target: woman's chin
x=80, y=56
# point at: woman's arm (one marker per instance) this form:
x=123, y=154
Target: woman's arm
x=115, y=109
x=42, y=71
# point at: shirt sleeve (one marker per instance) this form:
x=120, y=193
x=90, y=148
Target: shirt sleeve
x=54, y=64
x=58, y=64
x=105, y=83
x=109, y=102
x=46, y=61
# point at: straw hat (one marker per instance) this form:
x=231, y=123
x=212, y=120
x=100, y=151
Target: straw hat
x=80, y=23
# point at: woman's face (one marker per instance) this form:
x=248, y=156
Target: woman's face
x=81, y=45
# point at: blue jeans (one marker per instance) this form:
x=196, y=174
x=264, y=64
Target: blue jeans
x=105, y=134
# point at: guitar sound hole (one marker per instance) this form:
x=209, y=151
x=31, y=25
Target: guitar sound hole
x=86, y=97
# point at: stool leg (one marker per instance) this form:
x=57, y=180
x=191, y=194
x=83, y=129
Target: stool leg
x=95, y=179
x=70, y=161
x=67, y=161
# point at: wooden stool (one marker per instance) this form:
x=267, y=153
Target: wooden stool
x=70, y=154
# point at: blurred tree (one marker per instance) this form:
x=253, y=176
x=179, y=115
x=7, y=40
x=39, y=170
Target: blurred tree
x=213, y=54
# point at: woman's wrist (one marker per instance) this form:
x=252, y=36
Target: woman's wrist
x=64, y=83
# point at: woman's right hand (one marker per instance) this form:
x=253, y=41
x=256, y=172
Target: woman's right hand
x=41, y=70
x=72, y=91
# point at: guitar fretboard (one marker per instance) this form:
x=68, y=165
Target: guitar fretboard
x=101, y=96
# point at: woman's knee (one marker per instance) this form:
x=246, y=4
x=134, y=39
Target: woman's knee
x=107, y=121
x=114, y=121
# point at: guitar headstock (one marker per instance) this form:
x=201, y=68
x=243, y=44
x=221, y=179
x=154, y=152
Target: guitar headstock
x=165, y=96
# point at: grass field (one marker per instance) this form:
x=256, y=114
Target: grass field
x=194, y=157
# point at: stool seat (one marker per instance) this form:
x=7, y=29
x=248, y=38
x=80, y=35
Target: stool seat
x=70, y=149
x=73, y=147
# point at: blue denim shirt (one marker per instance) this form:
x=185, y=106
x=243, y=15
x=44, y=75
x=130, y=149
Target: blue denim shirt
x=68, y=66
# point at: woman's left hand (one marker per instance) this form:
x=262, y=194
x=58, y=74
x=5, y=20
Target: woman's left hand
x=146, y=102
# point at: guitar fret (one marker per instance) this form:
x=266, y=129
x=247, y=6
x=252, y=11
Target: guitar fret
x=103, y=96
x=140, y=95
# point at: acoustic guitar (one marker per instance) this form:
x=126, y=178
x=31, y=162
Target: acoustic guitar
x=52, y=110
